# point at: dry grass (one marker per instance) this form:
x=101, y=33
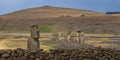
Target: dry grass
x=13, y=43
x=103, y=42
x=101, y=35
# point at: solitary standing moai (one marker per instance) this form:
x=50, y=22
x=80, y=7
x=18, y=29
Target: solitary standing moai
x=33, y=41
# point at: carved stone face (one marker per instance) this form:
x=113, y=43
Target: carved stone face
x=34, y=31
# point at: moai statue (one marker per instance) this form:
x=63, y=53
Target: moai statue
x=33, y=41
x=79, y=36
x=61, y=36
x=82, y=37
x=55, y=36
x=69, y=36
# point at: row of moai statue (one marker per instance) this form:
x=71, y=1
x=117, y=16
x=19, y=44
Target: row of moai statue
x=78, y=37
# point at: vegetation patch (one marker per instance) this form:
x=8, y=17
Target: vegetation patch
x=52, y=44
x=45, y=28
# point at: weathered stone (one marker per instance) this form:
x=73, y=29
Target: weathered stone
x=33, y=41
x=2, y=51
x=37, y=59
x=32, y=57
x=64, y=54
x=6, y=55
x=14, y=54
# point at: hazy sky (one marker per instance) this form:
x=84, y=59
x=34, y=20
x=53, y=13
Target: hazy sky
x=7, y=6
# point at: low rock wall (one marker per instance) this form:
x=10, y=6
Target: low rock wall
x=96, y=53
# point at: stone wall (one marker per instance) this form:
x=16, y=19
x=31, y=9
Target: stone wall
x=97, y=53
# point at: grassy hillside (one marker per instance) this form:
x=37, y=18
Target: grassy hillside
x=48, y=12
x=54, y=19
x=89, y=24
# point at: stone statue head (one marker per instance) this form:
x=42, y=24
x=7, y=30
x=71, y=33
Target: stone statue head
x=34, y=31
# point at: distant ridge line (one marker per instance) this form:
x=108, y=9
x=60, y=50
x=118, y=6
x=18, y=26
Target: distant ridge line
x=112, y=12
x=49, y=12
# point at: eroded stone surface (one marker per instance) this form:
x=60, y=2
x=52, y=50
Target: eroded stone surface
x=33, y=41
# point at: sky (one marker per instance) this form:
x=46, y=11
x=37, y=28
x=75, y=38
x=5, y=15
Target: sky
x=8, y=6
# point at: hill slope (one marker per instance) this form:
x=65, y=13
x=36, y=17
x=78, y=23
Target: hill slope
x=92, y=22
x=48, y=12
